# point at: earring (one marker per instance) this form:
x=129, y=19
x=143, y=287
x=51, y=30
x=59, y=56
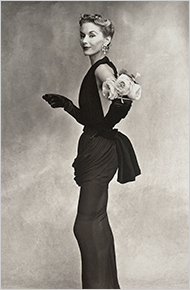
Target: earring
x=105, y=48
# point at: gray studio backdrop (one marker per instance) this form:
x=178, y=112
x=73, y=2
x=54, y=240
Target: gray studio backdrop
x=149, y=217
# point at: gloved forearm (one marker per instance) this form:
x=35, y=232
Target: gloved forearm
x=117, y=111
x=74, y=111
x=59, y=101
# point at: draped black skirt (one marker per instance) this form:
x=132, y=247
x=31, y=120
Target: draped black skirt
x=97, y=159
x=97, y=162
x=98, y=155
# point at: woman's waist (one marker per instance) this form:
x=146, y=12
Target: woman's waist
x=103, y=132
x=92, y=132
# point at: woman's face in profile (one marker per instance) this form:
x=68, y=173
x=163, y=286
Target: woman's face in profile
x=91, y=38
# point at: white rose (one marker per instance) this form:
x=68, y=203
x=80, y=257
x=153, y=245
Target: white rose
x=126, y=86
x=108, y=89
x=123, y=84
x=135, y=92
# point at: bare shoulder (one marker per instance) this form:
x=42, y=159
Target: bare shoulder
x=103, y=71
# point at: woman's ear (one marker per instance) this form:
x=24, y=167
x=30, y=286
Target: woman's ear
x=108, y=40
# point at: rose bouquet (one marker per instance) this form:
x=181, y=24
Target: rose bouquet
x=124, y=87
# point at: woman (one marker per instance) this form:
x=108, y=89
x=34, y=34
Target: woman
x=101, y=151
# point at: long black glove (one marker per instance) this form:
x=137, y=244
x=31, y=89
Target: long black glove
x=58, y=101
x=117, y=111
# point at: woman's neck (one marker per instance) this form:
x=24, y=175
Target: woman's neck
x=94, y=58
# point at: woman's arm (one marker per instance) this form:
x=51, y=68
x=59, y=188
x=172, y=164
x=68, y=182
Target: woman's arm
x=117, y=110
x=103, y=72
x=59, y=101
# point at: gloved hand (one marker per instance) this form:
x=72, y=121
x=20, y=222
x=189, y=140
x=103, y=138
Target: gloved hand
x=55, y=100
x=58, y=101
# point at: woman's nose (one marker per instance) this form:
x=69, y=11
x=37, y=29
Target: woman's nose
x=84, y=40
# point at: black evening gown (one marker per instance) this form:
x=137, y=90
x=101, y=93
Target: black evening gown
x=102, y=151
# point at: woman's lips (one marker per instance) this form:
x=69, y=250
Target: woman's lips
x=86, y=47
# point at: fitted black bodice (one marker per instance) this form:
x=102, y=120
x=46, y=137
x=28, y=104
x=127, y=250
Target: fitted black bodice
x=89, y=99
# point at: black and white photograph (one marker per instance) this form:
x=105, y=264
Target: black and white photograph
x=95, y=144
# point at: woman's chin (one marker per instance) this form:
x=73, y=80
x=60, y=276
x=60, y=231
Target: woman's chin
x=86, y=53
